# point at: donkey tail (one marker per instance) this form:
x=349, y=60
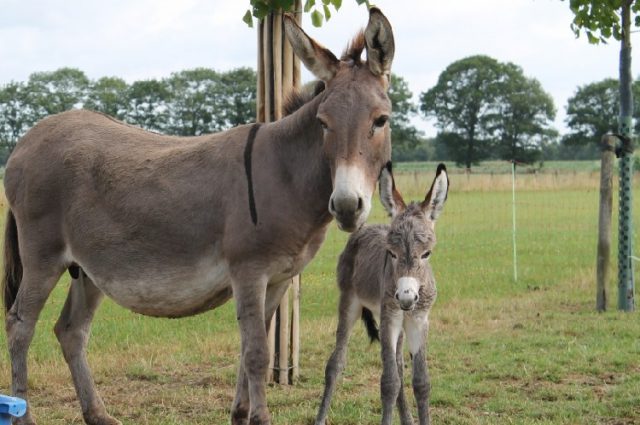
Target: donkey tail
x=12, y=263
x=371, y=325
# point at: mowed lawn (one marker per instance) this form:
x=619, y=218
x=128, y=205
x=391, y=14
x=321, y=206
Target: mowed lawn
x=500, y=351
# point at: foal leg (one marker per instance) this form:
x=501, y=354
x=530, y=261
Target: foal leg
x=421, y=385
x=72, y=330
x=349, y=311
x=390, y=329
x=240, y=407
x=403, y=408
x=416, y=331
x=35, y=287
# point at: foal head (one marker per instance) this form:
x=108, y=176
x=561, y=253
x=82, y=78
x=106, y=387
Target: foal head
x=411, y=236
x=353, y=114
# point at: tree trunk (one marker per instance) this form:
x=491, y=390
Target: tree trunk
x=625, y=225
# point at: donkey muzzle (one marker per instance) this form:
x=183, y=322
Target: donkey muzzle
x=349, y=204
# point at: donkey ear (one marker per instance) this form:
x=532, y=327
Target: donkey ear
x=318, y=59
x=389, y=195
x=380, y=45
x=437, y=195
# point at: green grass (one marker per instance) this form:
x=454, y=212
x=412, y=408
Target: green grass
x=500, y=352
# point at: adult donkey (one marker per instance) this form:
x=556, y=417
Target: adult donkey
x=172, y=227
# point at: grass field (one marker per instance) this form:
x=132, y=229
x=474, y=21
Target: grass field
x=500, y=352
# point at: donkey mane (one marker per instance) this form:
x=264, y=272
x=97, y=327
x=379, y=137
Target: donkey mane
x=354, y=49
x=298, y=97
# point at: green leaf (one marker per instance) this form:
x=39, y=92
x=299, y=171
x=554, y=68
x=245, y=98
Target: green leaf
x=327, y=12
x=308, y=5
x=326, y=2
x=248, y=19
x=316, y=18
x=336, y=4
x=592, y=38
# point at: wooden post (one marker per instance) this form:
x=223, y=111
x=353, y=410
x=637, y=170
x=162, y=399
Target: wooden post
x=278, y=74
x=604, y=221
x=295, y=330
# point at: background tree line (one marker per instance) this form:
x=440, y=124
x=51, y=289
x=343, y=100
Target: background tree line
x=483, y=109
x=187, y=103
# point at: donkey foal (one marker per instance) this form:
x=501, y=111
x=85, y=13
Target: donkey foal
x=384, y=272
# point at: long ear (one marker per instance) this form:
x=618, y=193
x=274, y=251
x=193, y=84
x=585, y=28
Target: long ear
x=389, y=195
x=380, y=45
x=318, y=59
x=437, y=195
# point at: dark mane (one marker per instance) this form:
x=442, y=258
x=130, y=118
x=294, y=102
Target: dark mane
x=354, y=49
x=297, y=98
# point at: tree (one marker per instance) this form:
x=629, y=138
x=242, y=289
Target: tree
x=238, y=102
x=602, y=20
x=319, y=12
x=16, y=116
x=57, y=91
x=593, y=112
x=406, y=138
x=108, y=95
x=194, y=102
x=526, y=114
x=147, y=105
x=463, y=102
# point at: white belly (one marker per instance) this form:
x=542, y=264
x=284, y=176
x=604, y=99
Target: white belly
x=172, y=292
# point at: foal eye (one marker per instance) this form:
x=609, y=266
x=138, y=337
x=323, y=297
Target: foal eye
x=426, y=255
x=381, y=121
x=394, y=256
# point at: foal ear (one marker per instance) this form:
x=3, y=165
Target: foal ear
x=378, y=37
x=437, y=195
x=318, y=59
x=389, y=195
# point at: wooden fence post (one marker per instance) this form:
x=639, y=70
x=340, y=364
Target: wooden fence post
x=604, y=221
x=278, y=74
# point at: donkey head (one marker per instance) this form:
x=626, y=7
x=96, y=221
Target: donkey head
x=353, y=114
x=411, y=236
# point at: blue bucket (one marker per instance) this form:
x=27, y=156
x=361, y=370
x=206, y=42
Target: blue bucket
x=11, y=406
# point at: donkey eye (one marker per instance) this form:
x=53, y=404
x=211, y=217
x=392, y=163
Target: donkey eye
x=323, y=124
x=381, y=121
x=426, y=255
x=394, y=256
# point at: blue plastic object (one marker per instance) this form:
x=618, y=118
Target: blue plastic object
x=11, y=406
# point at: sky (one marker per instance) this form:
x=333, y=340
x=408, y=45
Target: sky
x=142, y=39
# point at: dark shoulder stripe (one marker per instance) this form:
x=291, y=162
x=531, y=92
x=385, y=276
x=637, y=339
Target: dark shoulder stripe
x=248, y=150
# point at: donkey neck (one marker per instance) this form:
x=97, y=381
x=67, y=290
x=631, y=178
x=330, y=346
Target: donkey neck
x=296, y=143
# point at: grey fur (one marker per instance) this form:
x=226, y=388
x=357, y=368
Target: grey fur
x=162, y=224
x=369, y=270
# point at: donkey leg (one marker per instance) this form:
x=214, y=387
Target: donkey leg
x=240, y=407
x=349, y=311
x=72, y=330
x=20, y=322
x=250, y=295
x=390, y=329
x=403, y=408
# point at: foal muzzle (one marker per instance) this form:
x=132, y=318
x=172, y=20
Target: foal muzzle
x=407, y=293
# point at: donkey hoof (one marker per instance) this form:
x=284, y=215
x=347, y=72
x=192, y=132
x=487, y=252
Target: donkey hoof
x=260, y=420
x=25, y=420
x=102, y=420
